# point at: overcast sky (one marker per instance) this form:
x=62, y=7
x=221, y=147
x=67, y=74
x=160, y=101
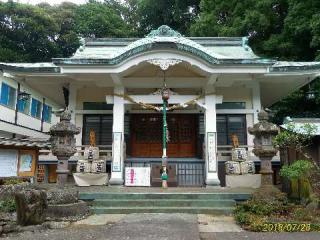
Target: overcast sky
x=48, y=1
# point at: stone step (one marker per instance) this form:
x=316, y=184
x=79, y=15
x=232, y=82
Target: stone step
x=193, y=210
x=189, y=196
x=163, y=203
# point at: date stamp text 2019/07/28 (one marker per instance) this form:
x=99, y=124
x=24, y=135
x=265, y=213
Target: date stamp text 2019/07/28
x=289, y=227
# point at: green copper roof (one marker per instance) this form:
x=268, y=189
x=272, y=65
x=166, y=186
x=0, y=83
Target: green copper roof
x=31, y=67
x=211, y=50
x=283, y=66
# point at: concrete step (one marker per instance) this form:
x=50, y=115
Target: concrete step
x=188, y=196
x=193, y=210
x=163, y=203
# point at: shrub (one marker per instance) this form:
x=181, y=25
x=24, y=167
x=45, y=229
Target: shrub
x=301, y=214
x=298, y=169
x=299, y=173
x=266, y=202
x=12, y=181
x=8, y=205
x=248, y=219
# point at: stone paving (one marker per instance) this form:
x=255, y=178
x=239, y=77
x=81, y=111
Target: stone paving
x=159, y=226
x=210, y=223
x=123, y=227
x=156, y=226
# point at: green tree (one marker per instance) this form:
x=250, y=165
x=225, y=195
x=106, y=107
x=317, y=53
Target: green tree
x=178, y=14
x=297, y=105
x=97, y=19
x=27, y=33
x=67, y=39
x=258, y=19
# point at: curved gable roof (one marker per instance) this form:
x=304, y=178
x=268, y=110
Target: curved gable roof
x=211, y=50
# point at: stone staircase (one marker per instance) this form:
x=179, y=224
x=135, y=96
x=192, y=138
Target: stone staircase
x=124, y=203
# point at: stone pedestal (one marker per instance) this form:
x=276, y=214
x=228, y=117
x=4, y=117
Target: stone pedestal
x=266, y=171
x=62, y=171
x=244, y=181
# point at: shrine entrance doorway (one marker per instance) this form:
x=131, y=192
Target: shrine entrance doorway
x=146, y=135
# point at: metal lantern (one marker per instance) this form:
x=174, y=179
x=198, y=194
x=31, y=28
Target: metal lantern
x=165, y=93
x=63, y=144
x=23, y=96
x=264, y=132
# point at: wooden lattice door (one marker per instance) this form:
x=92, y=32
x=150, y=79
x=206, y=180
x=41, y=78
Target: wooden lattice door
x=146, y=135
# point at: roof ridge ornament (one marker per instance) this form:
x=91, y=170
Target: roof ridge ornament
x=164, y=31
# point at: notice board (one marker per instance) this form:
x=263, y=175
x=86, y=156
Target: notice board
x=137, y=176
x=27, y=163
x=8, y=162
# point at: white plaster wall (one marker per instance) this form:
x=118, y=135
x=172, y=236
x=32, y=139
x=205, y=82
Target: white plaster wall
x=46, y=127
x=91, y=94
x=7, y=114
x=28, y=121
x=236, y=94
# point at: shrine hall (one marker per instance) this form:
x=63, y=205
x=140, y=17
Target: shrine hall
x=216, y=87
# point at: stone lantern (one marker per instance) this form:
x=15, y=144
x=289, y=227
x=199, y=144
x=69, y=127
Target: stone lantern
x=264, y=132
x=63, y=144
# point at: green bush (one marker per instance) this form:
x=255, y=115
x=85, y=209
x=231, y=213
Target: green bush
x=247, y=219
x=266, y=202
x=299, y=173
x=301, y=214
x=12, y=181
x=261, y=208
x=298, y=169
x=8, y=205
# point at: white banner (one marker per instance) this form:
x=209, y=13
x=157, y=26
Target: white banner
x=8, y=163
x=116, y=152
x=211, y=152
x=137, y=176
